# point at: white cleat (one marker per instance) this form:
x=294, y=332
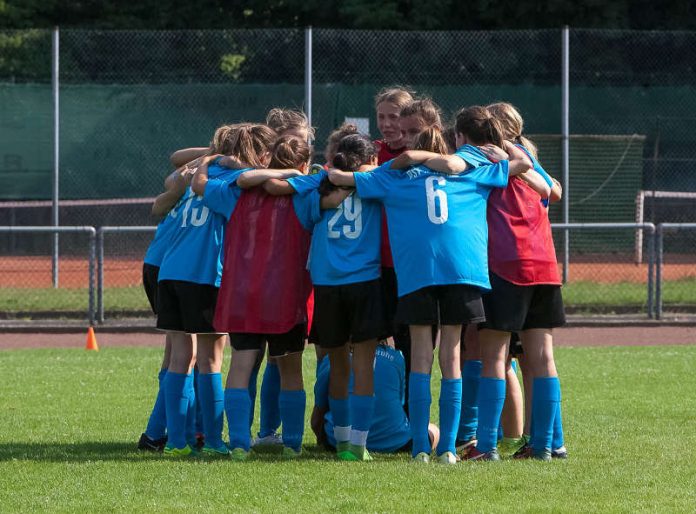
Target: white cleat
x=422, y=457
x=447, y=458
x=269, y=440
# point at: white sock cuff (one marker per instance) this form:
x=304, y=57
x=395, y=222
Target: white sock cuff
x=358, y=437
x=342, y=434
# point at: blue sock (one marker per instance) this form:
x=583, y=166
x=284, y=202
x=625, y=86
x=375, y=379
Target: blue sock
x=450, y=409
x=198, y=427
x=237, y=406
x=253, y=382
x=547, y=396
x=419, y=409
x=558, y=439
x=176, y=397
x=362, y=410
x=468, y=419
x=270, y=410
x=490, y=399
x=194, y=411
x=157, y=424
x=292, y=413
x=212, y=402
x=340, y=412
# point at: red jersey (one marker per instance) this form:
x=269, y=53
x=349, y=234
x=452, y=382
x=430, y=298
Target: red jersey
x=265, y=285
x=383, y=155
x=520, y=244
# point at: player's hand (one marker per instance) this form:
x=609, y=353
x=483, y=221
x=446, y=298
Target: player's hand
x=494, y=153
x=334, y=176
x=517, y=153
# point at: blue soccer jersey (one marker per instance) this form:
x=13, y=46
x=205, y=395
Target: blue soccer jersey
x=346, y=240
x=195, y=248
x=437, y=222
x=160, y=243
x=390, y=428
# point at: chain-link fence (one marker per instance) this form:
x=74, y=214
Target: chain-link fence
x=128, y=99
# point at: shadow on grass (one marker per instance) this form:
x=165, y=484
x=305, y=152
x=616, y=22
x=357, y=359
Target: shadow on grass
x=127, y=452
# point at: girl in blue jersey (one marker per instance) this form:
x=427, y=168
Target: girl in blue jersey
x=344, y=265
x=188, y=280
x=438, y=233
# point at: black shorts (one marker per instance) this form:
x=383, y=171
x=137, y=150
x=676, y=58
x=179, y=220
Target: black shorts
x=512, y=308
x=348, y=313
x=454, y=304
x=515, y=348
x=278, y=344
x=186, y=307
x=150, y=274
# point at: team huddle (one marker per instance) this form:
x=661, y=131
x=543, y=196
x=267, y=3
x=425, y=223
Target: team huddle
x=429, y=237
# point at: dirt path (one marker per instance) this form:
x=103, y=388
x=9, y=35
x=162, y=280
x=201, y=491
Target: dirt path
x=575, y=336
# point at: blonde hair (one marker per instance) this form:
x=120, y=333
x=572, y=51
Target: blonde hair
x=248, y=142
x=424, y=109
x=290, y=152
x=397, y=95
x=431, y=140
x=512, y=123
x=282, y=120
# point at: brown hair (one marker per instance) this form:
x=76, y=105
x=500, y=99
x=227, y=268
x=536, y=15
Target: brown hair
x=425, y=109
x=513, y=124
x=281, y=120
x=449, y=137
x=290, y=152
x=335, y=137
x=354, y=151
x=248, y=142
x=431, y=139
x=479, y=126
x=397, y=95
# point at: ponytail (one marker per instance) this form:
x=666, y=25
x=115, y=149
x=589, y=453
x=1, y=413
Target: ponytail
x=479, y=126
x=354, y=151
x=431, y=139
x=290, y=152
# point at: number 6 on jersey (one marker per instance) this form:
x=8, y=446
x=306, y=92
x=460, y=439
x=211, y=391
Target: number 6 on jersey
x=437, y=200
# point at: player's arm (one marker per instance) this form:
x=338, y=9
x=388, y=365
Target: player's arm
x=185, y=155
x=200, y=178
x=175, y=186
x=335, y=198
x=341, y=178
x=252, y=178
x=519, y=164
x=278, y=187
x=556, y=191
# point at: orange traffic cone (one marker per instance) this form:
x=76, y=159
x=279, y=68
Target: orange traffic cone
x=91, y=340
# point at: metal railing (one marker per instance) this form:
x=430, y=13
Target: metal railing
x=100, y=259
x=660, y=260
x=92, y=233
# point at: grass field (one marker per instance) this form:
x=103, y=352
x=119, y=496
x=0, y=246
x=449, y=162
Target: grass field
x=576, y=295
x=70, y=420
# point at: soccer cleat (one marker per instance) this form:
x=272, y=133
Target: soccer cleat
x=290, y=453
x=239, y=454
x=559, y=453
x=463, y=447
x=476, y=455
x=447, y=458
x=422, y=458
x=186, y=451
x=151, y=445
x=360, y=453
x=269, y=440
x=527, y=452
x=509, y=445
x=220, y=451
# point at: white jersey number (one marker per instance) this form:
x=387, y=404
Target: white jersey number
x=437, y=200
x=351, y=209
x=197, y=217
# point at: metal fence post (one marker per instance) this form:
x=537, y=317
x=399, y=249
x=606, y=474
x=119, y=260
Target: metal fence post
x=651, y=270
x=565, y=140
x=308, y=74
x=658, y=277
x=56, y=153
x=92, y=257
x=100, y=275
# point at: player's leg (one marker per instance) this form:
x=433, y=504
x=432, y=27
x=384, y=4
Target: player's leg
x=210, y=392
x=419, y=389
x=245, y=352
x=287, y=349
x=512, y=417
x=339, y=403
x=362, y=401
x=155, y=436
x=178, y=390
x=471, y=376
x=450, y=391
x=270, y=413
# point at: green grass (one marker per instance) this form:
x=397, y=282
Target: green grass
x=70, y=420
x=124, y=299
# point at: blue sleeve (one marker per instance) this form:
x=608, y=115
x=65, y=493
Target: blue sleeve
x=308, y=209
x=306, y=183
x=491, y=175
x=472, y=156
x=374, y=184
x=321, y=386
x=540, y=170
x=221, y=196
